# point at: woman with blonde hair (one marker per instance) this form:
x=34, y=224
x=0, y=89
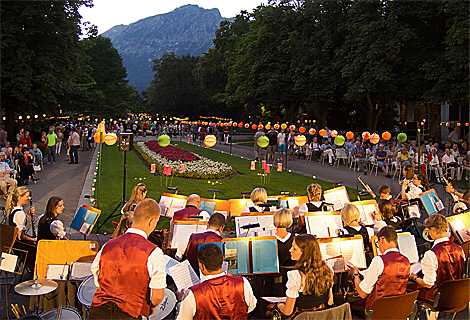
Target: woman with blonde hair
x=350, y=215
x=124, y=224
x=49, y=226
x=17, y=217
x=138, y=193
x=309, y=285
x=258, y=196
x=314, y=192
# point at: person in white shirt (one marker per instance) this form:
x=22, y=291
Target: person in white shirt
x=281, y=143
x=74, y=143
x=449, y=160
x=5, y=178
x=453, y=137
x=218, y=296
x=17, y=217
x=435, y=164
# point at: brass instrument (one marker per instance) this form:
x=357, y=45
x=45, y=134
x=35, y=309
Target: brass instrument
x=426, y=235
x=366, y=186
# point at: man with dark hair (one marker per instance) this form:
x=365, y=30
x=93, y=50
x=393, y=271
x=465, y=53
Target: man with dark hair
x=219, y=296
x=445, y=260
x=128, y=268
x=213, y=234
x=387, y=274
x=272, y=136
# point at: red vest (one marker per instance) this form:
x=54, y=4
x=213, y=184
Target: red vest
x=123, y=266
x=192, y=248
x=393, y=279
x=184, y=214
x=450, y=265
x=220, y=298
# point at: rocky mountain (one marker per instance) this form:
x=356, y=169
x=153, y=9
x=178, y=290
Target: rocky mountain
x=187, y=29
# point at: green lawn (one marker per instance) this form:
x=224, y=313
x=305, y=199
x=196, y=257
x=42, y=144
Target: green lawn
x=229, y=188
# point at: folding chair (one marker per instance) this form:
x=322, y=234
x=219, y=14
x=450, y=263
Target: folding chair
x=398, y=307
x=374, y=165
x=341, y=154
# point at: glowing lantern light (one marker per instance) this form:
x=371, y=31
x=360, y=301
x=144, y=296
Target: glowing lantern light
x=263, y=141
x=97, y=137
x=312, y=131
x=374, y=138
x=366, y=135
x=349, y=135
x=300, y=140
x=302, y=129
x=210, y=141
x=291, y=127
x=339, y=140
x=322, y=132
x=276, y=126
x=163, y=140
x=333, y=133
x=402, y=137
x=240, y=124
x=254, y=126
x=247, y=125
x=386, y=135
x=110, y=139
x=268, y=127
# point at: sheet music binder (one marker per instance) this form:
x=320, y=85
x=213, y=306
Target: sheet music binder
x=431, y=201
x=85, y=219
x=170, y=203
x=265, y=219
x=403, y=244
x=366, y=208
x=338, y=251
x=337, y=196
x=183, y=229
x=248, y=256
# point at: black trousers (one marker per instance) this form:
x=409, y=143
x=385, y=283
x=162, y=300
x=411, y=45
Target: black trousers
x=109, y=311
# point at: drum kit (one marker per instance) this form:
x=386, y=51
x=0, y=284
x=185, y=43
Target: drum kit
x=85, y=293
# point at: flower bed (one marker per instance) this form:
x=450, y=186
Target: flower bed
x=195, y=166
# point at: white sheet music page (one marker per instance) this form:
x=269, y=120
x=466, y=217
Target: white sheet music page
x=267, y=225
x=293, y=203
x=8, y=262
x=57, y=272
x=169, y=262
x=338, y=197
x=80, y=270
x=334, y=223
x=331, y=252
x=243, y=221
x=316, y=226
x=353, y=251
x=183, y=275
x=407, y=247
x=182, y=232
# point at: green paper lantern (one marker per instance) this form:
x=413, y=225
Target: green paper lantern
x=402, y=137
x=339, y=140
x=263, y=142
x=163, y=140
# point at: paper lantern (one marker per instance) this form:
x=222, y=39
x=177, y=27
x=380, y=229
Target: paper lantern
x=333, y=133
x=263, y=141
x=322, y=132
x=292, y=127
x=386, y=135
x=302, y=129
x=366, y=135
x=247, y=125
x=240, y=124
x=300, y=140
x=284, y=126
x=374, y=138
x=98, y=136
x=339, y=140
x=234, y=124
x=110, y=139
x=163, y=140
x=268, y=126
x=349, y=135
x=260, y=126
x=312, y=131
x=402, y=137
x=210, y=141
x=276, y=126
x=254, y=126
x=100, y=127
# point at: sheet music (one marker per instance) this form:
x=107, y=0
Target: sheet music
x=416, y=267
x=57, y=272
x=293, y=203
x=331, y=252
x=208, y=206
x=334, y=222
x=80, y=270
x=369, y=209
x=338, y=197
x=274, y=299
x=266, y=223
x=243, y=221
x=264, y=256
x=169, y=262
x=183, y=275
x=407, y=247
x=182, y=232
x=457, y=224
x=8, y=262
x=324, y=226
x=353, y=251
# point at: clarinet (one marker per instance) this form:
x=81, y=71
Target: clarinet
x=33, y=222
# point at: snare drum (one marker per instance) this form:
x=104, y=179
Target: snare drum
x=86, y=291
x=67, y=313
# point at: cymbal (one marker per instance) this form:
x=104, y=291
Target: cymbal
x=35, y=287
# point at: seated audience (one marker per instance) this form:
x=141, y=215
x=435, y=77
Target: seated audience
x=7, y=184
x=450, y=161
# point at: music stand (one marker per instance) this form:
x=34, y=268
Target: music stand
x=175, y=189
x=214, y=191
x=245, y=193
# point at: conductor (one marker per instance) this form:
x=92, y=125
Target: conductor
x=128, y=268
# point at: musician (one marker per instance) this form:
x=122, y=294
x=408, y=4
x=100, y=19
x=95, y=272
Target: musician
x=350, y=215
x=50, y=227
x=387, y=274
x=15, y=203
x=385, y=194
x=124, y=224
x=191, y=209
x=445, y=260
x=128, y=268
x=462, y=196
x=410, y=191
x=138, y=193
x=219, y=296
x=387, y=217
x=258, y=195
x=309, y=285
x=314, y=192
x=212, y=234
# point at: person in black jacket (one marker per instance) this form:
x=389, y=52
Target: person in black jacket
x=49, y=226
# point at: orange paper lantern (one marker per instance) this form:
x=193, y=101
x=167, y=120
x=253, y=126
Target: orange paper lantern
x=98, y=136
x=302, y=129
x=247, y=125
x=240, y=124
x=234, y=124
x=284, y=126
x=254, y=126
x=260, y=126
x=312, y=131
x=386, y=135
x=333, y=133
x=366, y=135
x=349, y=135
x=322, y=132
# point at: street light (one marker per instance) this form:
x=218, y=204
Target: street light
x=352, y=113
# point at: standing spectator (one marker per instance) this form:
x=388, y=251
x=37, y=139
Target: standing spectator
x=272, y=136
x=43, y=142
x=19, y=136
x=74, y=143
x=449, y=160
x=202, y=134
x=381, y=157
x=256, y=147
x=226, y=134
x=3, y=137
x=290, y=145
x=220, y=138
x=84, y=138
x=281, y=142
x=26, y=140
x=328, y=151
x=453, y=137
x=51, y=142
x=60, y=136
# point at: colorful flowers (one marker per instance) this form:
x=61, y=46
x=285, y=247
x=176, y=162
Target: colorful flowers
x=171, y=152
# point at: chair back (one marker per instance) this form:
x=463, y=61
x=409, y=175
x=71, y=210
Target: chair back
x=454, y=295
x=8, y=237
x=342, y=312
x=393, y=307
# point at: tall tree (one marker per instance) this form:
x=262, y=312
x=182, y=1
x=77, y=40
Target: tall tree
x=40, y=55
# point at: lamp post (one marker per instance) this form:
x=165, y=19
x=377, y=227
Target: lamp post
x=352, y=113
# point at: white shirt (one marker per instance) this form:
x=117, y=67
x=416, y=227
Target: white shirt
x=448, y=159
x=155, y=264
x=4, y=167
x=184, y=244
x=295, y=283
x=188, y=305
x=283, y=240
x=430, y=264
x=282, y=137
x=19, y=218
x=371, y=274
x=57, y=228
